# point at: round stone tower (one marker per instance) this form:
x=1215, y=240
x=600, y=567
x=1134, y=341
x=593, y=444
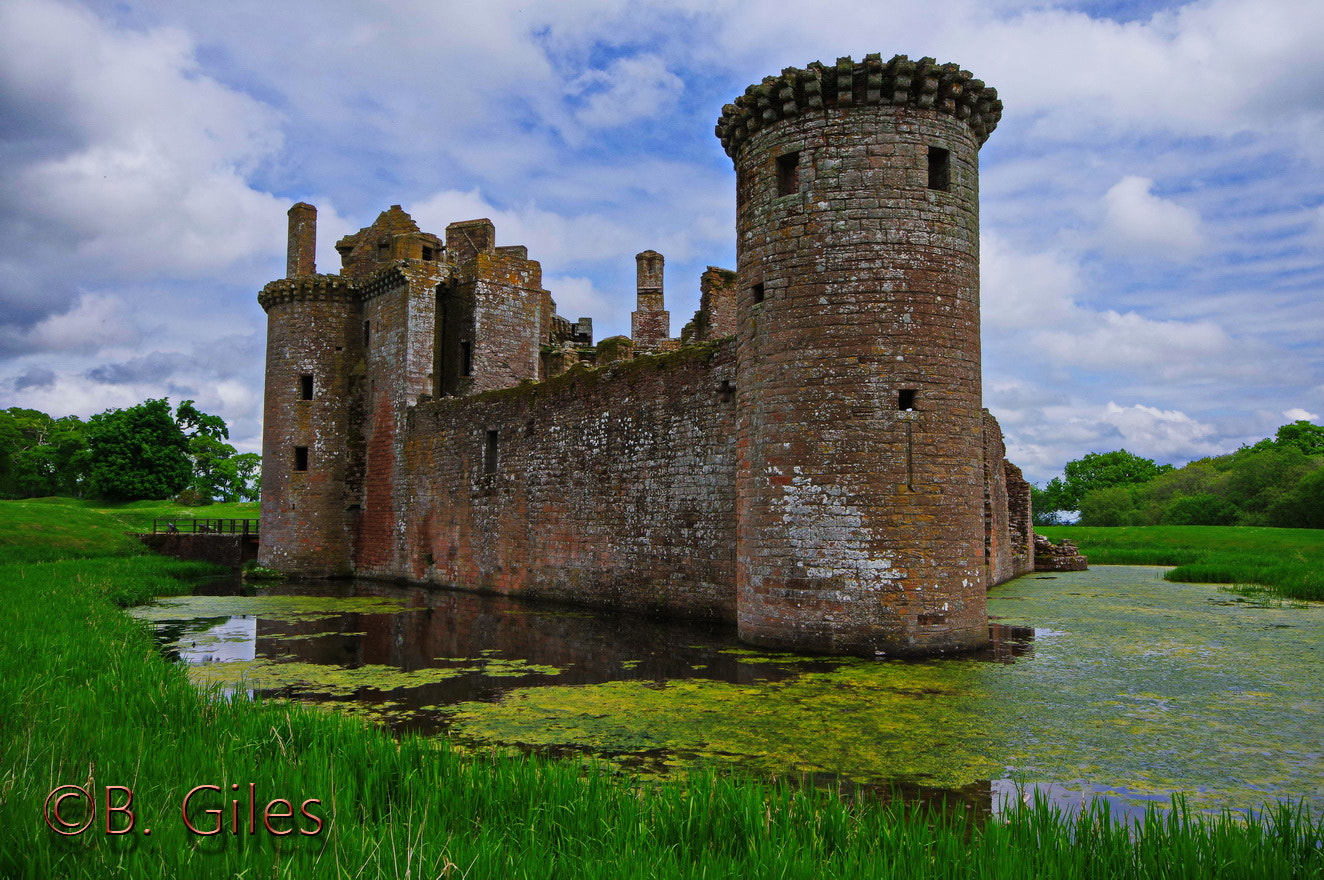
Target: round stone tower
x=859, y=488
x=314, y=333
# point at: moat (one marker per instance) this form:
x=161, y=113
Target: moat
x=1108, y=683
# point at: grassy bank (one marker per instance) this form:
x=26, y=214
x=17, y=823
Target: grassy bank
x=85, y=699
x=1289, y=561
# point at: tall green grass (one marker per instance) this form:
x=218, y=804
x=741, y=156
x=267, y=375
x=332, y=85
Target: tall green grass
x=85, y=698
x=1288, y=561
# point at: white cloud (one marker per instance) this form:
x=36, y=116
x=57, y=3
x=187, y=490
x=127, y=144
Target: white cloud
x=153, y=177
x=95, y=321
x=1019, y=290
x=1296, y=414
x=1138, y=222
x=1160, y=433
x=630, y=88
x=1131, y=342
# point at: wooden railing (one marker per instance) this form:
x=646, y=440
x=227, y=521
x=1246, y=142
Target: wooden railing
x=190, y=526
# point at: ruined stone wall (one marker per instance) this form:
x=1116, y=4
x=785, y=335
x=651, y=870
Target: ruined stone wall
x=998, y=542
x=1020, y=520
x=717, y=303
x=608, y=487
x=509, y=316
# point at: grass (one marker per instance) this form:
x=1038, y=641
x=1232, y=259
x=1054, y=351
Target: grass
x=41, y=529
x=85, y=698
x=1290, y=562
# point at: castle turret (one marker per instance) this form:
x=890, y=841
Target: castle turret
x=859, y=482
x=313, y=343
x=650, y=323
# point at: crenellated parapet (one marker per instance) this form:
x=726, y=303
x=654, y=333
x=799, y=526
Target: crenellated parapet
x=923, y=84
x=307, y=288
x=399, y=275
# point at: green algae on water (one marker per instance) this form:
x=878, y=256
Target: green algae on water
x=283, y=608
x=1134, y=687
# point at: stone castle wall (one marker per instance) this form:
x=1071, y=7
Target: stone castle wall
x=611, y=487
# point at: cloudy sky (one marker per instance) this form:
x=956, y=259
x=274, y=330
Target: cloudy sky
x=1153, y=200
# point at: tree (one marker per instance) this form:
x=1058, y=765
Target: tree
x=1254, y=479
x=137, y=453
x=1303, y=506
x=40, y=455
x=1302, y=435
x=1046, y=504
x=1105, y=470
x=219, y=472
x=1110, y=506
x=247, y=485
x=1199, y=510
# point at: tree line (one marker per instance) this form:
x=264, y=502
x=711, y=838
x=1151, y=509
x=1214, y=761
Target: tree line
x=1278, y=481
x=143, y=452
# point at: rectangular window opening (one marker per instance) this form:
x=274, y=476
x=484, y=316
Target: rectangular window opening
x=788, y=174
x=466, y=358
x=306, y=387
x=301, y=458
x=490, y=453
x=940, y=169
x=905, y=400
x=427, y=253
x=757, y=290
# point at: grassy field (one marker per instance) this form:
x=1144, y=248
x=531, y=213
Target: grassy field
x=1289, y=561
x=86, y=699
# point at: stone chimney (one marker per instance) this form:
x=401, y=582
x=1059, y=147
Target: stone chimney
x=650, y=324
x=301, y=252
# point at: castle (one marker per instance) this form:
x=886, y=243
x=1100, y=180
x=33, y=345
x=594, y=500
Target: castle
x=810, y=459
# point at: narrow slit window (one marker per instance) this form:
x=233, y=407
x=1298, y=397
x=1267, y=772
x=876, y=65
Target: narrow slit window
x=905, y=400
x=940, y=169
x=757, y=290
x=466, y=358
x=301, y=458
x=367, y=333
x=490, y=453
x=788, y=174
x=306, y=387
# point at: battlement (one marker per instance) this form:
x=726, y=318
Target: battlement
x=923, y=84
x=307, y=288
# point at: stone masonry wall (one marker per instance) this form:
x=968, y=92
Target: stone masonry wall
x=610, y=487
x=313, y=331
x=860, y=502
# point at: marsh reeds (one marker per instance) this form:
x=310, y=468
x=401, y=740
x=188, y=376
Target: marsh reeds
x=1289, y=562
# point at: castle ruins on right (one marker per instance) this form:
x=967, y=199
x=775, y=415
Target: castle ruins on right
x=810, y=459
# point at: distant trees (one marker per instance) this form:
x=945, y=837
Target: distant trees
x=142, y=452
x=1278, y=481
